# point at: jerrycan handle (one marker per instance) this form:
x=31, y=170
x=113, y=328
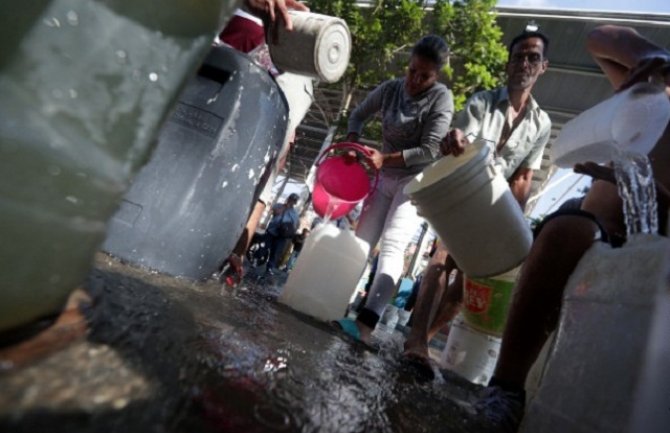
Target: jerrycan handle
x=357, y=148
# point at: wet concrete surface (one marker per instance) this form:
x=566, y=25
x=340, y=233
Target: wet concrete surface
x=164, y=354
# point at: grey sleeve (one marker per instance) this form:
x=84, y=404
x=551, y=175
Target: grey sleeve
x=434, y=130
x=370, y=105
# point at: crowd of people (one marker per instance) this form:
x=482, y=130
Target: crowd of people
x=419, y=125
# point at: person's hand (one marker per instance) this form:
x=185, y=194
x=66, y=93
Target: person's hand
x=269, y=9
x=596, y=171
x=454, y=143
x=237, y=269
x=606, y=173
x=652, y=68
x=375, y=157
x=350, y=156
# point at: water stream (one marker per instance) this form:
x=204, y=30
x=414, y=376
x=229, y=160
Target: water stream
x=636, y=187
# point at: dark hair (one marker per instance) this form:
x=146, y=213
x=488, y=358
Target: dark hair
x=527, y=35
x=433, y=48
x=293, y=196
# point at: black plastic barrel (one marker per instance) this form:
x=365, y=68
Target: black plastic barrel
x=188, y=206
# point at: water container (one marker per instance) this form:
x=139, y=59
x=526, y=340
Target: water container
x=85, y=86
x=470, y=206
x=631, y=121
x=470, y=353
x=341, y=183
x=318, y=46
x=326, y=273
x=188, y=206
x=598, y=357
x=486, y=301
x=651, y=414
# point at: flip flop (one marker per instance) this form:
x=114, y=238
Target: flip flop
x=349, y=327
x=419, y=365
x=350, y=330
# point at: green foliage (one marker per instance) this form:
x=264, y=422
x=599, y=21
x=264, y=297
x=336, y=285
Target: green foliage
x=478, y=57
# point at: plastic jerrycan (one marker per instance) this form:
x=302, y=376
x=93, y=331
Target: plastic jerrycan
x=326, y=273
x=84, y=87
x=630, y=121
x=189, y=204
x=597, y=362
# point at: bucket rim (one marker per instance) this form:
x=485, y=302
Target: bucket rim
x=477, y=151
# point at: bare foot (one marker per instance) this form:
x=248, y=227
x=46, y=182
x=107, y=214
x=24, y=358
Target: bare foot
x=70, y=326
x=416, y=349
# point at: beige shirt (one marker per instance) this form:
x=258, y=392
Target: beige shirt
x=484, y=116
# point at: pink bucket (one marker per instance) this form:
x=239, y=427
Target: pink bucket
x=342, y=182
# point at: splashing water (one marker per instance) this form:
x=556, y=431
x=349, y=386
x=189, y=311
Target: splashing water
x=635, y=182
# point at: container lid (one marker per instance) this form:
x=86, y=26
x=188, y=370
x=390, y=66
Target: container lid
x=332, y=51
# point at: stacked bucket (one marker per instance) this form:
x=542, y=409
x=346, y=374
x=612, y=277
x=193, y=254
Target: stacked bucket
x=475, y=335
x=469, y=204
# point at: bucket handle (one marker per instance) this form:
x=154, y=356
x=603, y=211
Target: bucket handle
x=352, y=146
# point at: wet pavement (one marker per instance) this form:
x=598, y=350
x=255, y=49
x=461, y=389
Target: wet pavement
x=163, y=354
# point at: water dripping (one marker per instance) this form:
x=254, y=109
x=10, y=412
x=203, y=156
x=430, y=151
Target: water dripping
x=636, y=187
x=213, y=98
x=271, y=417
x=121, y=56
x=72, y=18
x=51, y=22
x=153, y=77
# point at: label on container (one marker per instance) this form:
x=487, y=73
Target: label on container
x=486, y=303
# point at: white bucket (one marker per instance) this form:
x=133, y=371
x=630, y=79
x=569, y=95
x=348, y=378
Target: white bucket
x=326, y=273
x=632, y=120
x=470, y=205
x=471, y=354
x=318, y=46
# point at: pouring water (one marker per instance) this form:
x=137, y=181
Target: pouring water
x=635, y=182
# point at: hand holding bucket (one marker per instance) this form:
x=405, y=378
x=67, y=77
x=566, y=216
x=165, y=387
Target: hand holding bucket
x=342, y=181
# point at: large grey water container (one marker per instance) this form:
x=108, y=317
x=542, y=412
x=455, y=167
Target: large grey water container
x=188, y=206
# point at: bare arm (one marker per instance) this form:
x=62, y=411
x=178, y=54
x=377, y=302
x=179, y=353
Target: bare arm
x=620, y=52
x=272, y=8
x=520, y=184
x=379, y=160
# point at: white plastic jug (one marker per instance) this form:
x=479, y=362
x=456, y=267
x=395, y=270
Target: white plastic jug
x=318, y=46
x=470, y=353
x=469, y=204
x=632, y=121
x=326, y=273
